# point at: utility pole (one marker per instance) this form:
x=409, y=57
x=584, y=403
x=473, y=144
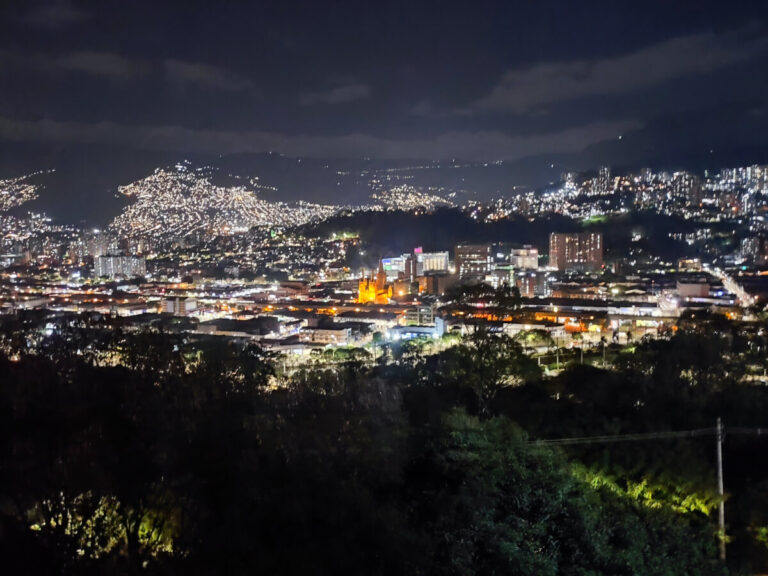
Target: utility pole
x=718, y=431
x=721, y=505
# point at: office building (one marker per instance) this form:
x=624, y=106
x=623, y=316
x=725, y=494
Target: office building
x=473, y=260
x=425, y=263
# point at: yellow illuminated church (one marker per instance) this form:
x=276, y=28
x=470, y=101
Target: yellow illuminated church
x=374, y=291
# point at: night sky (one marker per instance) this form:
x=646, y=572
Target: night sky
x=476, y=81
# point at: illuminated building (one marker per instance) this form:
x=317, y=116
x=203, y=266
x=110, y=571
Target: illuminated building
x=119, y=266
x=338, y=336
x=691, y=264
x=429, y=262
x=420, y=316
x=687, y=188
x=394, y=267
x=437, y=284
x=99, y=244
x=473, y=260
x=180, y=306
x=366, y=291
x=376, y=291
x=499, y=276
x=603, y=181
x=580, y=251
x=532, y=283
x=402, y=289
x=755, y=249
x=692, y=290
x=526, y=257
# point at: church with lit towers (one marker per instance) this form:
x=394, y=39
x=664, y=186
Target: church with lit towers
x=376, y=290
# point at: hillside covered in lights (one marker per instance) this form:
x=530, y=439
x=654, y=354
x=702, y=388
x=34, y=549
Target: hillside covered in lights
x=180, y=201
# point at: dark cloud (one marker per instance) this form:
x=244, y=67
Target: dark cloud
x=481, y=146
x=103, y=64
x=56, y=14
x=205, y=75
x=338, y=95
x=115, y=66
x=529, y=89
x=422, y=108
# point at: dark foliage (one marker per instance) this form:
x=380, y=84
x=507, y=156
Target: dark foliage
x=185, y=458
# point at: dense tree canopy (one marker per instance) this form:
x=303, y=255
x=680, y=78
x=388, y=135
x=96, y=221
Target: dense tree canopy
x=155, y=452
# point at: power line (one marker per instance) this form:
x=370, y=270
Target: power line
x=752, y=431
x=719, y=432
x=626, y=437
x=666, y=435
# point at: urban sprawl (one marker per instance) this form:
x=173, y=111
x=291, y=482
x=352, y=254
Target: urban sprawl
x=213, y=260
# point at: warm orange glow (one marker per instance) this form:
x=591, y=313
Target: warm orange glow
x=369, y=293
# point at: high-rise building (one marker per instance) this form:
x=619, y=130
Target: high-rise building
x=119, y=266
x=687, y=187
x=473, y=260
x=526, y=257
x=755, y=249
x=580, y=251
x=100, y=244
x=603, y=181
x=77, y=251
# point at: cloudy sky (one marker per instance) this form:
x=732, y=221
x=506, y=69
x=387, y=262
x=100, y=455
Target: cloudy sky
x=430, y=80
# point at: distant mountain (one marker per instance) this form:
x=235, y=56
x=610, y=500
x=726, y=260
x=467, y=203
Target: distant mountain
x=184, y=199
x=84, y=187
x=16, y=192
